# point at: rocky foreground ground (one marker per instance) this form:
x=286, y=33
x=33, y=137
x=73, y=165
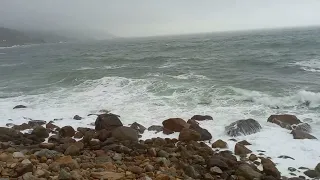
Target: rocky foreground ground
x=112, y=151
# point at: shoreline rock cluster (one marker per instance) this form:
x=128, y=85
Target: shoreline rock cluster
x=114, y=151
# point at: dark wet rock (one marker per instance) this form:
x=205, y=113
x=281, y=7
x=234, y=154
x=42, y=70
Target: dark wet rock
x=253, y=157
x=204, y=134
x=291, y=169
x=167, y=131
x=243, y=127
x=77, y=117
x=317, y=168
x=40, y=132
x=138, y=127
x=305, y=127
x=296, y=178
x=284, y=120
x=21, y=127
x=107, y=121
x=20, y=107
x=240, y=149
x=244, y=142
x=189, y=135
x=303, y=168
x=301, y=135
x=67, y=131
x=155, y=128
x=219, y=144
x=34, y=123
x=312, y=173
x=285, y=157
x=201, y=117
x=125, y=133
x=248, y=172
x=175, y=124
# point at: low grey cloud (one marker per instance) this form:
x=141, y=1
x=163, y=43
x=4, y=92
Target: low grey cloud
x=157, y=17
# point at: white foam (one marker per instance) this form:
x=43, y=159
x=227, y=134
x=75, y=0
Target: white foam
x=295, y=99
x=139, y=100
x=11, y=65
x=312, y=65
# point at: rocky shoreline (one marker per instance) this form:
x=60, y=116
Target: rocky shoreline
x=114, y=151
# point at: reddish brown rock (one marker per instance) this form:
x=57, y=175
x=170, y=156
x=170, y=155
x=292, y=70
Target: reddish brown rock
x=167, y=131
x=50, y=125
x=67, y=131
x=175, y=124
x=284, y=120
x=189, y=135
x=240, y=149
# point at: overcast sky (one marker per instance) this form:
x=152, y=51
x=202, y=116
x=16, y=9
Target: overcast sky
x=158, y=17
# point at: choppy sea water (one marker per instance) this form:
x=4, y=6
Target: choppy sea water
x=229, y=76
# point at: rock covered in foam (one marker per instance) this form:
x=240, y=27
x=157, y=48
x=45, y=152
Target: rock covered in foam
x=301, y=135
x=243, y=127
x=305, y=127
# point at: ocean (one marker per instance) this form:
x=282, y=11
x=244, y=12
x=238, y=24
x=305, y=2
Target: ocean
x=230, y=76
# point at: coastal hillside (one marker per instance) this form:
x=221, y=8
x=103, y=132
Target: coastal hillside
x=11, y=37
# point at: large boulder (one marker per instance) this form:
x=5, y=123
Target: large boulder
x=189, y=135
x=175, y=124
x=107, y=121
x=284, y=120
x=125, y=133
x=204, y=134
x=201, y=117
x=40, y=132
x=301, y=135
x=34, y=123
x=67, y=131
x=243, y=127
